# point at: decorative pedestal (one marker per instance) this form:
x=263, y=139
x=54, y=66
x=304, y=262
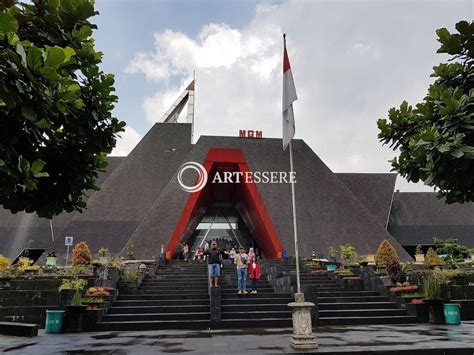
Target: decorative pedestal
x=303, y=338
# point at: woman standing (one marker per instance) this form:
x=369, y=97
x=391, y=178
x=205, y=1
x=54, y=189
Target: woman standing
x=254, y=273
x=241, y=259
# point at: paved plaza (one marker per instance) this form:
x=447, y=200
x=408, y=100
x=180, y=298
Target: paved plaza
x=387, y=339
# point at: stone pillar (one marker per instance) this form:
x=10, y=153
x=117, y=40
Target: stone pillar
x=215, y=301
x=303, y=338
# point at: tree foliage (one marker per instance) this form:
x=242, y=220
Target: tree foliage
x=385, y=254
x=56, y=126
x=436, y=138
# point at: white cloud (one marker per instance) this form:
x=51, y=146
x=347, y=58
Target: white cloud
x=127, y=141
x=351, y=63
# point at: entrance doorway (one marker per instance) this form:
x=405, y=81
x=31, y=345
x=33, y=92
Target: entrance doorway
x=222, y=223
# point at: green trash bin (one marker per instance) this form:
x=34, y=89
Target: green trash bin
x=452, y=313
x=54, y=321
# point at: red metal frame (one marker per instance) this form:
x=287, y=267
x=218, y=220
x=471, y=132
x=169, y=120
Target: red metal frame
x=248, y=197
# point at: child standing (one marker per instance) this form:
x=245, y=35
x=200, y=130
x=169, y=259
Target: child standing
x=254, y=273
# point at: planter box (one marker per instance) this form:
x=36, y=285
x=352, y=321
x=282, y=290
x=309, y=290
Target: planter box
x=419, y=258
x=420, y=311
x=435, y=311
x=74, y=318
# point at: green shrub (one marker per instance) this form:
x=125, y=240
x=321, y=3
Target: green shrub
x=81, y=254
x=385, y=253
x=73, y=284
x=432, y=289
x=130, y=275
x=432, y=259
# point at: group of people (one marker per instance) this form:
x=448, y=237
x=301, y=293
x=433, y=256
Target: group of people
x=246, y=264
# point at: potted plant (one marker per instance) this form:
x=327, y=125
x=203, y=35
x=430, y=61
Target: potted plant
x=51, y=259
x=81, y=254
x=432, y=259
x=419, y=256
x=75, y=313
x=103, y=252
x=24, y=266
x=385, y=253
x=349, y=255
x=74, y=306
x=394, y=270
x=432, y=290
x=129, y=280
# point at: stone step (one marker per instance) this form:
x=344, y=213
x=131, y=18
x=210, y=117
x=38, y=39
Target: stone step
x=249, y=307
x=361, y=313
x=366, y=320
x=255, y=300
x=181, y=288
x=156, y=290
x=146, y=309
x=256, y=315
x=357, y=305
x=348, y=293
x=167, y=302
x=352, y=299
x=153, y=325
x=155, y=296
x=233, y=295
x=256, y=323
x=144, y=317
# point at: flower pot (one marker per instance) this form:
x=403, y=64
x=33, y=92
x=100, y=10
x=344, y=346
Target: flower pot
x=74, y=318
x=331, y=267
x=51, y=261
x=420, y=258
x=435, y=311
x=103, y=259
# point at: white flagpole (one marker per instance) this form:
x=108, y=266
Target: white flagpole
x=295, y=228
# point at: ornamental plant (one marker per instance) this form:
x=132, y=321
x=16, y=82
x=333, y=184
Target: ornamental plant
x=432, y=289
x=4, y=263
x=348, y=254
x=393, y=270
x=56, y=122
x=385, y=253
x=81, y=254
x=432, y=259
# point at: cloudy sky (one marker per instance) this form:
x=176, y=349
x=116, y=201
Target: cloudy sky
x=351, y=60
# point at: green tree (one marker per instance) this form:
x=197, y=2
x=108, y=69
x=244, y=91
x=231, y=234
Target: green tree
x=56, y=125
x=436, y=138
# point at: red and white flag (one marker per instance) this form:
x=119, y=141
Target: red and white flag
x=289, y=95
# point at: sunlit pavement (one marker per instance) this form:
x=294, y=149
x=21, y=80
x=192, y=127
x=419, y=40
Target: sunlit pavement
x=394, y=339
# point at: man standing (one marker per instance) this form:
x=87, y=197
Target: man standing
x=214, y=258
x=241, y=259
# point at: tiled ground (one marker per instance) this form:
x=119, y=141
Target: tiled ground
x=394, y=339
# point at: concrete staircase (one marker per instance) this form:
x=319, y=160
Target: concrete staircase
x=339, y=306
x=264, y=309
x=175, y=298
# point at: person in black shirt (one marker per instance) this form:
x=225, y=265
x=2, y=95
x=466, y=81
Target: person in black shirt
x=214, y=259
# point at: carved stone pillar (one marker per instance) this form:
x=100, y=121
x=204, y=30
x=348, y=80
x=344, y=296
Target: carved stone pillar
x=303, y=338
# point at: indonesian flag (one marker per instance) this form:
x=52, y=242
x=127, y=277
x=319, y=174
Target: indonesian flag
x=289, y=95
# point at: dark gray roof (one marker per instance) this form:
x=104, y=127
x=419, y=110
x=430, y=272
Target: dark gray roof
x=375, y=191
x=418, y=217
x=328, y=212
x=424, y=208
x=17, y=229
x=114, y=213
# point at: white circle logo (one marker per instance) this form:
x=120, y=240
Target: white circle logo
x=202, y=176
